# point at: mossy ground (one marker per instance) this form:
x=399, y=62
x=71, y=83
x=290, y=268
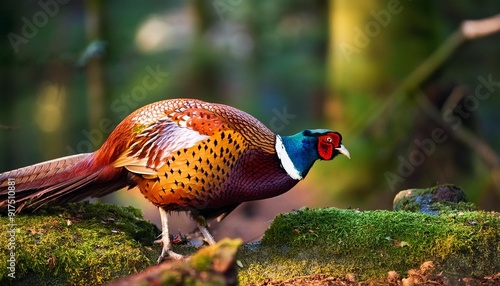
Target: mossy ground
x=371, y=243
x=103, y=242
x=79, y=244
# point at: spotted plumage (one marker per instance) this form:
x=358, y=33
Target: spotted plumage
x=183, y=155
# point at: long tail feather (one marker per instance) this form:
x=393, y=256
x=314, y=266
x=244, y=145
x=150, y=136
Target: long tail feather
x=35, y=174
x=59, y=181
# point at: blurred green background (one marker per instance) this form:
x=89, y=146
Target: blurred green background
x=71, y=70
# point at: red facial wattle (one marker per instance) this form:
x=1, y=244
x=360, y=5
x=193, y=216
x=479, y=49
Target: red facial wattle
x=327, y=144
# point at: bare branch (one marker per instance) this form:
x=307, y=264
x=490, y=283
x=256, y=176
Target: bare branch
x=468, y=30
x=472, y=29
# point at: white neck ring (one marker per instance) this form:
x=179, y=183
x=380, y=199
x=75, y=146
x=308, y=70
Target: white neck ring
x=285, y=160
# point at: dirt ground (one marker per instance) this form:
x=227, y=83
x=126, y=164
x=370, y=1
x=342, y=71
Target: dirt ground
x=324, y=280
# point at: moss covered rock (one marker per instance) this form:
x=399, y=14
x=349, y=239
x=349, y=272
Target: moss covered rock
x=212, y=265
x=79, y=244
x=369, y=244
x=435, y=200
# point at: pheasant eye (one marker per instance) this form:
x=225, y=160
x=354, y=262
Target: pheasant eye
x=326, y=146
x=335, y=139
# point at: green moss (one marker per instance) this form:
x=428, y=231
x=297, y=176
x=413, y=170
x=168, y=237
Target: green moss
x=79, y=244
x=371, y=243
x=224, y=251
x=202, y=262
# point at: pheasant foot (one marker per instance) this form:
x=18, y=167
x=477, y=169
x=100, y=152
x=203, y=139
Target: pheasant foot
x=166, y=252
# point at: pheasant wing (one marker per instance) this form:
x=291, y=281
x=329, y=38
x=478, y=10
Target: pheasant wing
x=166, y=127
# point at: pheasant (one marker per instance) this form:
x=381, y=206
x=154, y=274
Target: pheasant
x=183, y=155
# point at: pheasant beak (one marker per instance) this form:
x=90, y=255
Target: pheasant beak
x=342, y=150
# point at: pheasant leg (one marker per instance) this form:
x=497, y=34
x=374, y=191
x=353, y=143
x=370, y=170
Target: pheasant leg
x=206, y=234
x=165, y=239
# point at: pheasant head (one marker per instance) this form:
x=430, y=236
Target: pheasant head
x=299, y=152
